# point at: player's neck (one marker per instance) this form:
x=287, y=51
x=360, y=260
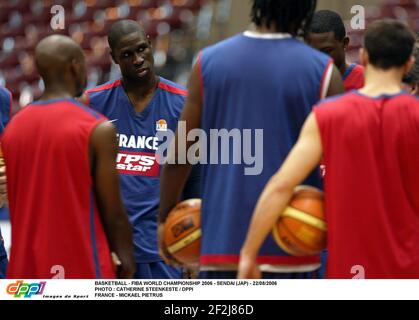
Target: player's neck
x=141, y=95
x=140, y=90
x=56, y=92
x=379, y=82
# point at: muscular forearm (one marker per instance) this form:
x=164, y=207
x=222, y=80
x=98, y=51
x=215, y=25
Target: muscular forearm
x=119, y=233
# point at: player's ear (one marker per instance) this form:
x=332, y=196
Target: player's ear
x=78, y=72
x=363, y=57
x=346, y=42
x=415, y=89
x=75, y=68
x=409, y=65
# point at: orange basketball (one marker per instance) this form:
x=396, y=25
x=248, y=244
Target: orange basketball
x=301, y=229
x=182, y=232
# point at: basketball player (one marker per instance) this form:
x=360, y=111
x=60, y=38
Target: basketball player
x=328, y=34
x=411, y=79
x=65, y=205
x=5, y=112
x=251, y=81
x=368, y=140
x=140, y=105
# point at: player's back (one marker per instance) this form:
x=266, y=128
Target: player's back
x=54, y=217
x=250, y=82
x=372, y=184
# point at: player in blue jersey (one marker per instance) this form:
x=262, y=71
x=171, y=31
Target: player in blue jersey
x=140, y=105
x=5, y=112
x=327, y=33
x=411, y=79
x=261, y=79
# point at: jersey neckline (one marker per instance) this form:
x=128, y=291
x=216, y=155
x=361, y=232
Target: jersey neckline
x=149, y=106
x=266, y=36
x=349, y=70
x=52, y=100
x=381, y=96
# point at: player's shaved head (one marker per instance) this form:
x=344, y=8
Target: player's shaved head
x=122, y=28
x=54, y=53
x=56, y=57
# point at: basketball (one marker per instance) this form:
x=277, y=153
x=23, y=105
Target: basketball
x=182, y=232
x=301, y=229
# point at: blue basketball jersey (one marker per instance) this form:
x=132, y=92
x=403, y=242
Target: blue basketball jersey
x=5, y=112
x=254, y=82
x=136, y=161
x=5, y=107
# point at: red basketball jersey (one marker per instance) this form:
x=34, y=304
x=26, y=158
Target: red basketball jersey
x=354, y=77
x=372, y=185
x=56, y=229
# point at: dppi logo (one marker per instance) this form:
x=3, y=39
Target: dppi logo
x=27, y=290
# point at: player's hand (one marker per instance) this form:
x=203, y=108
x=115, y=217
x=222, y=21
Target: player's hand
x=248, y=268
x=3, y=186
x=164, y=253
x=191, y=272
x=124, y=267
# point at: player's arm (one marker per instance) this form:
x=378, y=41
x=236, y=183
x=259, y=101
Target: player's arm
x=192, y=188
x=174, y=176
x=336, y=83
x=3, y=183
x=303, y=158
x=106, y=182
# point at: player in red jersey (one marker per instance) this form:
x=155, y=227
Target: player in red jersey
x=65, y=205
x=368, y=139
x=328, y=34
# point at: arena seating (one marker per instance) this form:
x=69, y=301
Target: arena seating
x=404, y=10
x=24, y=22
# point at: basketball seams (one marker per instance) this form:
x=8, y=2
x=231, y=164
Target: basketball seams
x=292, y=212
x=301, y=228
x=185, y=241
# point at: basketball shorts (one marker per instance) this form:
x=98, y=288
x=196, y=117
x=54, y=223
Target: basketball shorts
x=322, y=271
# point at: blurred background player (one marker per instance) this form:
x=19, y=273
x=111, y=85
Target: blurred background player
x=411, y=79
x=65, y=204
x=328, y=34
x=262, y=79
x=5, y=112
x=140, y=105
x=368, y=140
